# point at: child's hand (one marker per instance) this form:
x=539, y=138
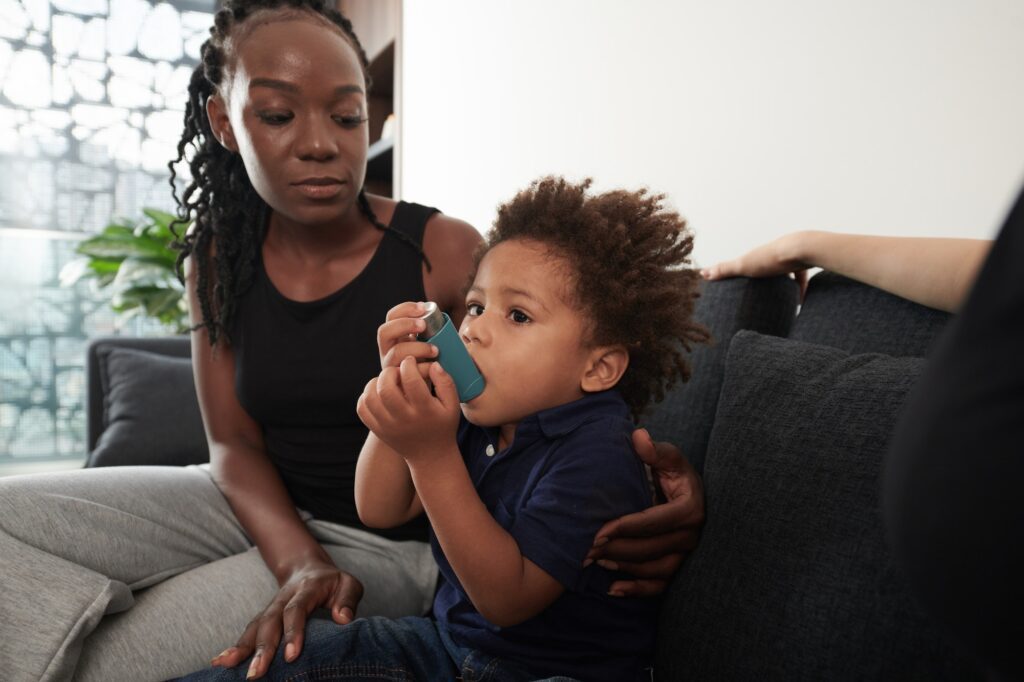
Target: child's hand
x=396, y=338
x=398, y=407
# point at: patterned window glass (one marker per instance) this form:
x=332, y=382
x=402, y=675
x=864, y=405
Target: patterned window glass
x=92, y=96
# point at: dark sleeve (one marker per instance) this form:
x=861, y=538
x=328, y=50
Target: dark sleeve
x=594, y=479
x=954, y=481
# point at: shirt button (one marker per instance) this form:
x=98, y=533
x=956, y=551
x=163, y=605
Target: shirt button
x=489, y=450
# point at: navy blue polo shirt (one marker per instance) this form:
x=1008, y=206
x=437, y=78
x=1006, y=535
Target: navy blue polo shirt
x=569, y=470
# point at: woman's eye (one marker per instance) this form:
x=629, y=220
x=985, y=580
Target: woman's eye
x=474, y=309
x=519, y=317
x=274, y=118
x=350, y=122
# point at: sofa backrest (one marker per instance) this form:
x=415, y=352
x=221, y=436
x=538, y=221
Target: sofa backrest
x=98, y=378
x=836, y=311
x=725, y=307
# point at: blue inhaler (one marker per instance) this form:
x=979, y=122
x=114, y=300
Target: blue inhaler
x=452, y=353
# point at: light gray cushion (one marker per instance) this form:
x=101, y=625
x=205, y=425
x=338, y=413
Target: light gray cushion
x=792, y=579
x=150, y=412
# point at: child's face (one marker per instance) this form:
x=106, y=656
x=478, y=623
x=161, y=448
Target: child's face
x=523, y=334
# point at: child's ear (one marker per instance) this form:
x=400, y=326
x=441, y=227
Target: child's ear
x=217, y=113
x=604, y=368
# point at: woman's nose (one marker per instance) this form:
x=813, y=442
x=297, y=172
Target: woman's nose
x=316, y=141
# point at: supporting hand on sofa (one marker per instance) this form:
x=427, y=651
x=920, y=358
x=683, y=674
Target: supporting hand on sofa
x=933, y=271
x=652, y=544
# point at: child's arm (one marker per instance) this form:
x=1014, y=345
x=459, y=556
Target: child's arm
x=504, y=586
x=384, y=493
x=385, y=496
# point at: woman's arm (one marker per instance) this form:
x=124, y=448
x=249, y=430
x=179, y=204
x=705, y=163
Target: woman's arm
x=936, y=272
x=252, y=486
x=650, y=545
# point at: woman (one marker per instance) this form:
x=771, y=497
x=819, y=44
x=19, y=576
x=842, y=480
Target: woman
x=290, y=268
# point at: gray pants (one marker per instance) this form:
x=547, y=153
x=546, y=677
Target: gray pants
x=144, y=573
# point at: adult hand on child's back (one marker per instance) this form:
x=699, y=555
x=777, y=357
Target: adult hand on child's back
x=318, y=584
x=653, y=543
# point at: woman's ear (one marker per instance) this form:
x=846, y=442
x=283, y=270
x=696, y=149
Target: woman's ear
x=604, y=368
x=217, y=113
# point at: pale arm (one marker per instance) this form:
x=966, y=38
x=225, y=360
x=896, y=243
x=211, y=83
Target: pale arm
x=933, y=271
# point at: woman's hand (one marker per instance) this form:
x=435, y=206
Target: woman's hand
x=653, y=543
x=399, y=409
x=314, y=585
x=397, y=337
x=782, y=256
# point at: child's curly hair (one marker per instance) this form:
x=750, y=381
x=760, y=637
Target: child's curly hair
x=633, y=280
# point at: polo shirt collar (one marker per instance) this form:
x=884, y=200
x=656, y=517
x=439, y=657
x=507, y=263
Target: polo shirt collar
x=555, y=422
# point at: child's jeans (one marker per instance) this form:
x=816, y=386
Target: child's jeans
x=380, y=649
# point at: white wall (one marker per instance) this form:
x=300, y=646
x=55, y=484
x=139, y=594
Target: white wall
x=892, y=117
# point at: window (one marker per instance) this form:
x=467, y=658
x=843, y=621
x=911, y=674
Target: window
x=92, y=96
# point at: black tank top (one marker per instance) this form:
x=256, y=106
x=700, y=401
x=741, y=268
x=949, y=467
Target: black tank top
x=301, y=366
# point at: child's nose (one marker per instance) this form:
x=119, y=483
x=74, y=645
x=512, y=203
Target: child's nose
x=474, y=330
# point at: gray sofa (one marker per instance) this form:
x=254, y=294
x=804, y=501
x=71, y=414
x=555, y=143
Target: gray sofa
x=787, y=417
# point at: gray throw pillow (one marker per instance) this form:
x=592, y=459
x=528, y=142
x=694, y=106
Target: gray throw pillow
x=792, y=579
x=150, y=413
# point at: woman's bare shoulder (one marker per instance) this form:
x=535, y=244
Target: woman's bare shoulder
x=450, y=245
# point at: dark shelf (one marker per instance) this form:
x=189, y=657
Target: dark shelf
x=379, y=160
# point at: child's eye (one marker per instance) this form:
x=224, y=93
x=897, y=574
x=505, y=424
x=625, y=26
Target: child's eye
x=518, y=316
x=350, y=122
x=474, y=309
x=274, y=118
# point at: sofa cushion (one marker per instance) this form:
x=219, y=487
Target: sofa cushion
x=792, y=579
x=150, y=412
x=685, y=416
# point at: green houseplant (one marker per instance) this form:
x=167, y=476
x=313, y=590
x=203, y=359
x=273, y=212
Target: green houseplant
x=135, y=260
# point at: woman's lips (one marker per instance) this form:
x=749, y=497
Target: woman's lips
x=319, y=188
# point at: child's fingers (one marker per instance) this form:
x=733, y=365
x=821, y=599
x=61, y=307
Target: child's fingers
x=390, y=391
x=419, y=350
x=415, y=387
x=365, y=410
x=444, y=386
x=407, y=309
x=401, y=329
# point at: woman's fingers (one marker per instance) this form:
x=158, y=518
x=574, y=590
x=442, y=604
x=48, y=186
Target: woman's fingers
x=661, y=568
x=268, y=636
x=294, y=620
x=639, y=549
x=637, y=588
x=242, y=649
x=346, y=598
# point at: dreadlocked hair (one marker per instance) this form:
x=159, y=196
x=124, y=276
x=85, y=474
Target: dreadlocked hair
x=228, y=215
x=630, y=274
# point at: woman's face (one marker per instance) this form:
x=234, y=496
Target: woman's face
x=294, y=108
